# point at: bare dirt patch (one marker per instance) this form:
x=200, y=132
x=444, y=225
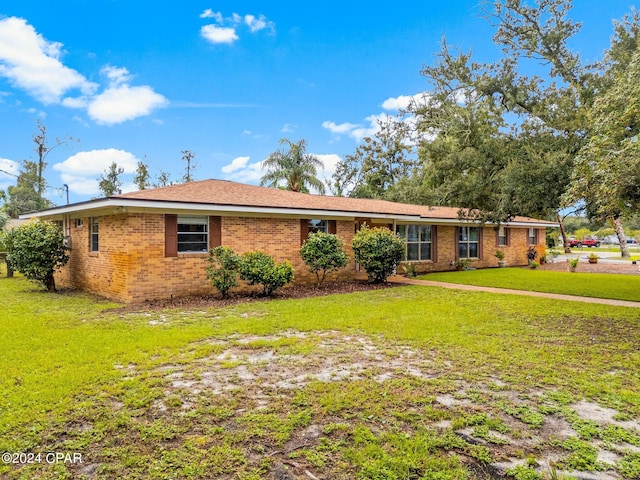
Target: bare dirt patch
x=517, y=429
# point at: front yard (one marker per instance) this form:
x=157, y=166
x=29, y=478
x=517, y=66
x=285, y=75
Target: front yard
x=397, y=383
x=597, y=285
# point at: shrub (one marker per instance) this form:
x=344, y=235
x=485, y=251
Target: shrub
x=222, y=271
x=533, y=265
x=259, y=268
x=379, y=251
x=323, y=253
x=36, y=250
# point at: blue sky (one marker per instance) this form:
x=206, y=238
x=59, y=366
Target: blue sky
x=226, y=80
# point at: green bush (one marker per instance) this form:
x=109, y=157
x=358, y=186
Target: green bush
x=259, y=268
x=379, y=251
x=323, y=253
x=36, y=250
x=222, y=270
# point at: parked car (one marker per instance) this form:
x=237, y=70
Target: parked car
x=585, y=242
x=611, y=240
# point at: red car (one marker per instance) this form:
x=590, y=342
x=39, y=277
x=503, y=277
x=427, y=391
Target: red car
x=585, y=242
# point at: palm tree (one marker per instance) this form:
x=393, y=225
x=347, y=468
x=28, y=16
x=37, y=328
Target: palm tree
x=293, y=167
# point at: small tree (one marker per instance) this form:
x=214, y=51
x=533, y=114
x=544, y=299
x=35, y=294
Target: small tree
x=259, y=268
x=142, y=178
x=109, y=181
x=222, y=271
x=37, y=249
x=379, y=251
x=323, y=253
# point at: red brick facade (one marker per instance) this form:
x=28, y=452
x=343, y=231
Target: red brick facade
x=130, y=264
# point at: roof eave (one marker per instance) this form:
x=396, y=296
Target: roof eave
x=121, y=205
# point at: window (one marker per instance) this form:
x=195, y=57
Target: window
x=418, y=239
x=533, y=237
x=193, y=234
x=468, y=242
x=318, y=226
x=503, y=241
x=94, y=234
x=79, y=222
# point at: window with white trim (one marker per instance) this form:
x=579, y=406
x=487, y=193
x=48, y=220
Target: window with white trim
x=533, y=238
x=418, y=241
x=468, y=242
x=502, y=236
x=193, y=234
x=94, y=235
x=317, y=225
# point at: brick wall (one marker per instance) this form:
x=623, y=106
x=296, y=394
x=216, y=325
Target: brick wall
x=515, y=252
x=104, y=272
x=131, y=264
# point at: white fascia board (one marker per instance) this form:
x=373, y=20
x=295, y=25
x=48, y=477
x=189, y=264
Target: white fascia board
x=72, y=208
x=533, y=225
x=121, y=205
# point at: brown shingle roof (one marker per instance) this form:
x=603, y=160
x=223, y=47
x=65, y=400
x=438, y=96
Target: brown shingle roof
x=224, y=192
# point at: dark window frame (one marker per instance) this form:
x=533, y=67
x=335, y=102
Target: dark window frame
x=94, y=235
x=464, y=239
x=192, y=230
x=419, y=245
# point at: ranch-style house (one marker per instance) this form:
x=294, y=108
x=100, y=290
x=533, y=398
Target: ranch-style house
x=153, y=244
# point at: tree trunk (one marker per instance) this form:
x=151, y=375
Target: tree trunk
x=9, y=269
x=617, y=225
x=565, y=243
x=50, y=283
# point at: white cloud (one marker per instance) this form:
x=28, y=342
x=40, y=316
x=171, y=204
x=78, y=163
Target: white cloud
x=341, y=128
x=8, y=172
x=330, y=162
x=97, y=161
x=81, y=171
x=120, y=103
x=288, y=128
x=208, y=13
x=257, y=24
x=356, y=131
x=81, y=185
x=247, y=173
x=402, y=102
x=240, y=170
x=371, y=126
x=33, y=64
x=116, y=76
x=216, y=34
x=225, y=29
x=8, y=166
x=236, y=164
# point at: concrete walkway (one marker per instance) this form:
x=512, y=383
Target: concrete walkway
x=508, y=291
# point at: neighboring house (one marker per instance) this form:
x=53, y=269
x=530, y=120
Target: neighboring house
x=154, y=244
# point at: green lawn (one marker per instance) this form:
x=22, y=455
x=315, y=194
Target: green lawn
x=404, y=382
x=620, y=287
